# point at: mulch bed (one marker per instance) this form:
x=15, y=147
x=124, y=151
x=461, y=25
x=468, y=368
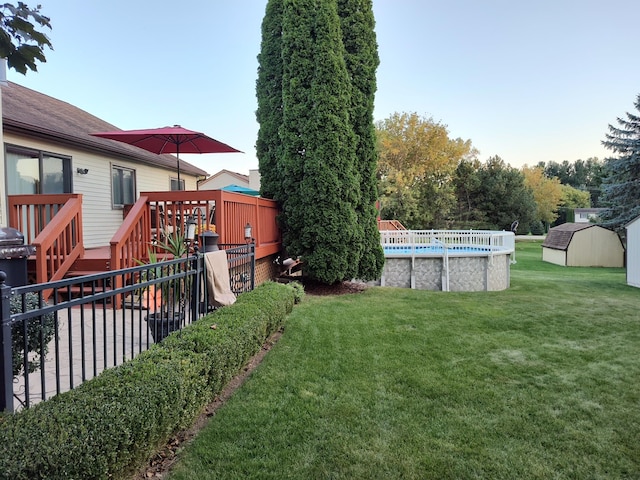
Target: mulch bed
x=339, y=288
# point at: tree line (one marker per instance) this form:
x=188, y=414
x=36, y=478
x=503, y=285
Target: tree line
x=428, y=180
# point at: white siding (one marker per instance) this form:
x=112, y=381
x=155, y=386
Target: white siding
x=551, y=255
x=100, y=219
x=222, y=180
x=633, y=253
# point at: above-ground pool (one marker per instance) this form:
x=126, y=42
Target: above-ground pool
x=447, y=260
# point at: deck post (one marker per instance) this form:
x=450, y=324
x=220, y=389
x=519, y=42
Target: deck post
x=6, y=343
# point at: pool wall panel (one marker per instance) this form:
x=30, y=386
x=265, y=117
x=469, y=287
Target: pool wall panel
x=466, y=274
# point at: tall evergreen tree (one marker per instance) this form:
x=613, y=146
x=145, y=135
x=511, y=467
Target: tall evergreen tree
x=307, y=149
x=361, y=56
x=621, y=185
x=319, y=219
x=269, y=95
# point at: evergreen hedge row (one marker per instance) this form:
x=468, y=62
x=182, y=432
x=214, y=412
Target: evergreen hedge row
x=108, y=426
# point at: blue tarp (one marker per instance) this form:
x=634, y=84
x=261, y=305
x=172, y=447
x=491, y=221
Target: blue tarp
x=238, y=189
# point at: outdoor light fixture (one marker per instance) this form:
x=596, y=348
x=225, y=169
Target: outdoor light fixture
x=191, y=228
x=248, y=236
x=82, y=171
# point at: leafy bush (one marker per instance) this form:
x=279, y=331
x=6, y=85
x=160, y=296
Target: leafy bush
x=109, y=425
x=39, y=333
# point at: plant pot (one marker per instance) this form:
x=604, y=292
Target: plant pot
x=162, y=324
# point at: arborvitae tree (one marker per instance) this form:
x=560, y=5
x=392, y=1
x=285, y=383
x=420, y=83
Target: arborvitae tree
x=621, y=185
x=319, y=218
x=308, y=151
x=269, y=94
x=361, y=56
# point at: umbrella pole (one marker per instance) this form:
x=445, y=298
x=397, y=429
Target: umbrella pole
x=178, y=162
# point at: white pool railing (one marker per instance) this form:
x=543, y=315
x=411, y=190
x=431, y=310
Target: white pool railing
x=492, y=240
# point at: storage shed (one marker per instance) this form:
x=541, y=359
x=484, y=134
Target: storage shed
x=583, y=245
x=633, y=252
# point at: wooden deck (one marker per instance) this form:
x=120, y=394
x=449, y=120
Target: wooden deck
x=53, y=223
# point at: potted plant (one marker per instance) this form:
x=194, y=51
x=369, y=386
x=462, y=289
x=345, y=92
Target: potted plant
x=165, y=300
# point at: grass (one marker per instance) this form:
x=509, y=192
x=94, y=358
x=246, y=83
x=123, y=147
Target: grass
x=536, y=382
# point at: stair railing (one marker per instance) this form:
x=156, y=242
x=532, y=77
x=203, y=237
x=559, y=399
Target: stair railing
x=59, y=243
x=131, y=242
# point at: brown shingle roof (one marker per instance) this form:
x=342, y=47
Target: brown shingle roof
x=34, y=114
x=559, y=237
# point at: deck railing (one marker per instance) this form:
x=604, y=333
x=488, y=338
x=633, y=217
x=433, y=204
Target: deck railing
x=228, y=211
x=489, y=239
x=53, y=224
x=390, y=225
x=132, y=240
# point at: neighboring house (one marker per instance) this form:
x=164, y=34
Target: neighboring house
x=227, y=178
x=48, y=149
x=633, y=252
x=587, y=215
x=583, y=245
x=223, y=178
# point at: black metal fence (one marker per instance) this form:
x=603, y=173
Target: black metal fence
x=52, y=346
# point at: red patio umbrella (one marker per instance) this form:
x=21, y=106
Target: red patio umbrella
x=169, y=140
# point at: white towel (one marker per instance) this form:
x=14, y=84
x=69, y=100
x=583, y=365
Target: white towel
x=218, y=285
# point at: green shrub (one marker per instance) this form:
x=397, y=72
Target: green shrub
x=40, y=331
x=109, y=425
x=298, y=291
x=537, y=228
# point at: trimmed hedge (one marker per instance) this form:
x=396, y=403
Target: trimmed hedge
x=109, y=425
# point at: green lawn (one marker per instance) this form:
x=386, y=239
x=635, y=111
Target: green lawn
x=539, y=381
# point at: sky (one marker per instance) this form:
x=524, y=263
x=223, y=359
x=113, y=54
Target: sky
x=527, y=81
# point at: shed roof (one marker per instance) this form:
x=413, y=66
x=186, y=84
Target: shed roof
x=34, y=114
x=559, y=237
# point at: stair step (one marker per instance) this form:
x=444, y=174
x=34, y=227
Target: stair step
x=82, y=273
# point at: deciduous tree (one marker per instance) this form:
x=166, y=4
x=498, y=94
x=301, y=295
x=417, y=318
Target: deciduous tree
x=416, y=169
x=547, y=193
x=21, y=43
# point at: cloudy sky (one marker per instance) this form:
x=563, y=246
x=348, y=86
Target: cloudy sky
x=528, y=81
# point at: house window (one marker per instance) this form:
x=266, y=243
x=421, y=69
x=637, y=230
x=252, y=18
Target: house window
x=175, y=185
x=123, y=186
x=36, y=172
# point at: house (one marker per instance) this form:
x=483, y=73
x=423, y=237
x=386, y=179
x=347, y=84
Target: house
x=48, y=149
x=583, y=245
x=72, y=194
x=586, y=215
x=633, y=252
x=226, y=178
x=222, y=179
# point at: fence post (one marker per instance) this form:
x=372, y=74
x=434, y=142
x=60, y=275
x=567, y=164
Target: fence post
x=6, y=343
x=252, y=250
x=196, y=301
